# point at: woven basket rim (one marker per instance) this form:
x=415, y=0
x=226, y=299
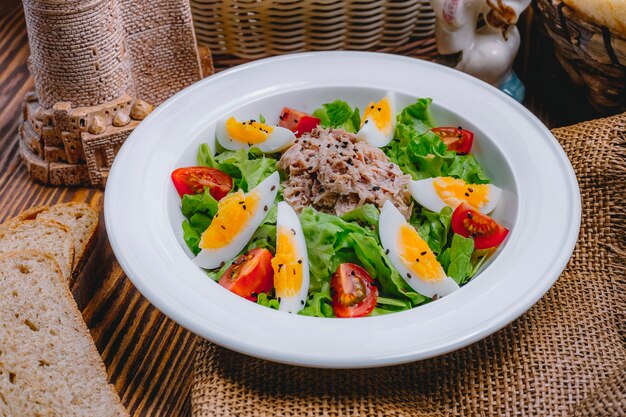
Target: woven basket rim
x=583, y=20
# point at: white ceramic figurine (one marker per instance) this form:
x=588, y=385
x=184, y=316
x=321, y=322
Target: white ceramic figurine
x=479, y=37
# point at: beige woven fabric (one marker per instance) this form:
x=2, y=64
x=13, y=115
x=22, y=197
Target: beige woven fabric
x=565, y=357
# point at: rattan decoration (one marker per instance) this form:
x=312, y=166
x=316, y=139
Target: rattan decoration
x=591, y=54
x=100, y=67
x=261, y=28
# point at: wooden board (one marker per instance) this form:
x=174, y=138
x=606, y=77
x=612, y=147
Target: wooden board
x=148, y=356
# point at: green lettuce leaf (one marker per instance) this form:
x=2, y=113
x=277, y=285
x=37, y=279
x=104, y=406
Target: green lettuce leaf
x=420, y=152
x=247, y=168
x=433, y=227
x=339, y=115
x=367, y=214
x=336, y=241
x=319, y=304
x=460, y=266
x=267, y=301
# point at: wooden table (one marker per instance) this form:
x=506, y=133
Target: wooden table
x=148, y=356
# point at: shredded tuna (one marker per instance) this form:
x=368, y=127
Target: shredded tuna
x=333, y=172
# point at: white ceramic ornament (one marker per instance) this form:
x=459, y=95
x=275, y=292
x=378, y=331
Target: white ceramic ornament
x=481, y=39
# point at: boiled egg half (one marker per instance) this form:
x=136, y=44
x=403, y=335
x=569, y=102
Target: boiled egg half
x=234, y=135
x=437, y=193
x=291, y=262
x=378, y=122
x=411, y=256
x=237, y=218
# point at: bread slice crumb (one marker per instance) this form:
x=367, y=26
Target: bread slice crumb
x=45, y=236
x=49, y=365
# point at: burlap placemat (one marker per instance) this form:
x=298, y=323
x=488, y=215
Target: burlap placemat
x=565, y=356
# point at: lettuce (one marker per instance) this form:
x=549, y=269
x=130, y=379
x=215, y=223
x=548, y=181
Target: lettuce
x=459, y=265
x=433, y=227
x=199, y=210
x=339, y=115
x=420, y=152
x=319, y=304
x=336, y=241
x=367, y=214
x=247, y=167
x=267, y=301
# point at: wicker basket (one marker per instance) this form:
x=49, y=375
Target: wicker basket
x=591, y=54
x=252, y=29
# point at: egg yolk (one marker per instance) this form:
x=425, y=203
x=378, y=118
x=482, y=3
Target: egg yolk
x=380, y=113
x=454, y=191
x=233, y=214
x=287, y=265
x=417, y=256
x=250, y=132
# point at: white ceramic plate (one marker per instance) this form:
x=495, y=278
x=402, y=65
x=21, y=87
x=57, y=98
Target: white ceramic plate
x=542, y=209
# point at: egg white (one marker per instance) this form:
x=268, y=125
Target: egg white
x=278, y=139
x=371, y=134
x=214, y=257
x=424, y=192
x=287, y=217
x=389, y=225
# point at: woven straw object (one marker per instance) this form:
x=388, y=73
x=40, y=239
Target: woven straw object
x=255, y=29
x=564, y=357
x=591, y=54
x=99, y=66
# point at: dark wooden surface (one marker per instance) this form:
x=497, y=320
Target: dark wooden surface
x=148, y=356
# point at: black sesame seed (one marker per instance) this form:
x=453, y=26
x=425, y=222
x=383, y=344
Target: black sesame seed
x=408, y=275
x=460, y=128
x=293, y=270
x=222, y=226
x=279, y=266
x=375, y=188
x=435, y=296
x=423, y=253
x=273, y=188
x=387, y=252
x=372, y=107
x=379, y=109
x=417, y=259
x=265, y=208
x=244, y=206
x=328, y=145
x=302, y=302
x=293, y=231
x=278, y=299
x=297, y=193
x=466, y=194
x=299, y=261
x=242, y=202
x=469, y=215
x=366, y=121
x=471, y=190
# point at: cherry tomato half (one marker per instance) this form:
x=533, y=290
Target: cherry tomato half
x=485, y=231
x=192, y=180
x=250, y=274
x=297, y=121
x=456, y=139
x=354, y=294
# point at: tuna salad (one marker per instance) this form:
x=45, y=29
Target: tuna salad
x=339, y=212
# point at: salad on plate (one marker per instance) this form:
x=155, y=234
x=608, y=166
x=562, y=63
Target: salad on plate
x=340, y=213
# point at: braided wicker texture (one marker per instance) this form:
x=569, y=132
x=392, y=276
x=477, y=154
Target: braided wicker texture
x=565, y=357
x=256, y=29
x=591, y=54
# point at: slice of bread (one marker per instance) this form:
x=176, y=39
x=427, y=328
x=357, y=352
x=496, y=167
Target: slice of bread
x=81, y=219
x=45, y=236
x=49, y=365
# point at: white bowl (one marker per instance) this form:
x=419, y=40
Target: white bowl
x=541, y=207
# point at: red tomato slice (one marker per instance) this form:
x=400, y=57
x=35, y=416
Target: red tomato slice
x=456, y=139
x=297, y=121
x=485, y=231
x=354, y=294
x=250, y=274
x=192, y=180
